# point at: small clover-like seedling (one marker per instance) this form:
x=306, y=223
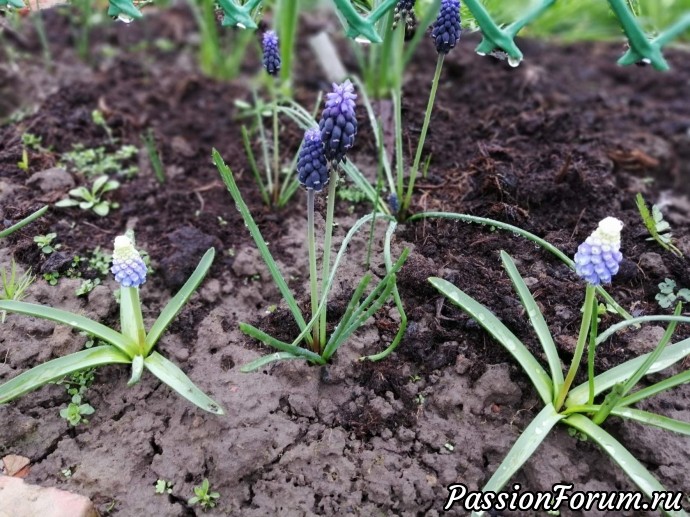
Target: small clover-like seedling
x=203, y=496
x=667, y=295
x=133, y=345
x=91, y=199
x=45, y=243
x=163, y=487
x=87, y=286
x=76, y=412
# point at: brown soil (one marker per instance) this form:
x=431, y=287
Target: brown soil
x=554, y=146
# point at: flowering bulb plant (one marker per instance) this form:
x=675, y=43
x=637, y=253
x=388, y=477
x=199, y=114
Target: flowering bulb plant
x=596, y=262
x=132, y=345
x=322, y=150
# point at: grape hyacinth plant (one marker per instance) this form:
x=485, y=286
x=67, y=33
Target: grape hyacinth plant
x=596, y=262
x=271, y=58
x=132, y=345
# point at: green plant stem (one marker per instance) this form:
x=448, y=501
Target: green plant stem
x=276, y=149
x=313, y=278
x=326, y=271
x=21, y=224
x=591, y=350
x=579, y=348
x=288, y=19
x=131, y=319
x=422, y=137
x=641, y=48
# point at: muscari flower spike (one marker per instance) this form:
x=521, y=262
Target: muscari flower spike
x=599, y=257
x=312, y=166
x=338, y=121
x=404, y=10
x=128, y=266
x=271, y=52
x=446, y=28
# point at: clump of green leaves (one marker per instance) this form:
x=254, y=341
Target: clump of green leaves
x=91, y=199
x=13, y=286
x=76, y=385
x=163, y=487
x=203, y=496
x=96, y=161
x=667, y=295
x=100, y=261
x=657, y=226
x=45, y=243
x=52, y=277
x=33, y=142
x=87, y=286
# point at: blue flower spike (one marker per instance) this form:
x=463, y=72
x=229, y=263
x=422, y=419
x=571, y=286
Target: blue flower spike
x=338, y=121
x=446, y=28
x=599, y=257
x=128, y=266
x=312, y=166
x=271, y=58
x=404, y=11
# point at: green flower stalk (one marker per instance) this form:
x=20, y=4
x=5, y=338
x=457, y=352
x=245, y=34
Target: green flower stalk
x=133, y=345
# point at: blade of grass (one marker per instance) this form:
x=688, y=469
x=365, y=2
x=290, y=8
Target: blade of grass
x=655, y=389
x=21, y=224
x=280, y=345
x=76, y=321
x=58, y=368
x=633, y=468
x=500, y=333
x=520, y=233
x=537, y=320
x=671, y=355
x=267, y=359
x=254, y=167
x=227, y=176
x=175, y=305
x=524, y=447
x=170, y=374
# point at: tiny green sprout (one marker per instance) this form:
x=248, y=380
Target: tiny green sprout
x=203, y=497
x=667, y=295
x=99, y=120
x=97, y=161
x=659, y=229
x=87, y=286
x=32, y=141
x=163, y=487
x=415, y=378
x=66, y=472
x=45, y=243
x=52, y=277
x=13, y=287
x=24, y=163
x=100, y=261
x=420, y=399
x=91, y=199
x=76, y=412
x=449, y=446
x=222, y=222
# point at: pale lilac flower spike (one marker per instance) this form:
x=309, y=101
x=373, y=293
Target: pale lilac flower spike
x=599, y=257
x=128, y=266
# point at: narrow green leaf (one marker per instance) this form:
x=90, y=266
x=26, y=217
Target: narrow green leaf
x=646, y=417
x=267, y=359
x=632, y=467
x=227, y=176
x=501, y=333
x=178, y=301
x=21, y=224
x=58, y=368
x=538, y=321
x=280, y=345
x=73, y=320
x=636, y=321
x=655, y=389
x=137, y=370
x=254, y=167
x=524, y=447
x=170, y=374
x=672, y=354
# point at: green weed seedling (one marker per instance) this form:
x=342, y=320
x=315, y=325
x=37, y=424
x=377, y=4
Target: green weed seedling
x=87, y=286
x=91, y=199
x=587, y=406
x=13, y=286
x=133, y=345
x=76, y=412
x=203, y=496
x=163, y=487
x=658, y=228
x=97, y=161
x=668, y=296
x=45, y=243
